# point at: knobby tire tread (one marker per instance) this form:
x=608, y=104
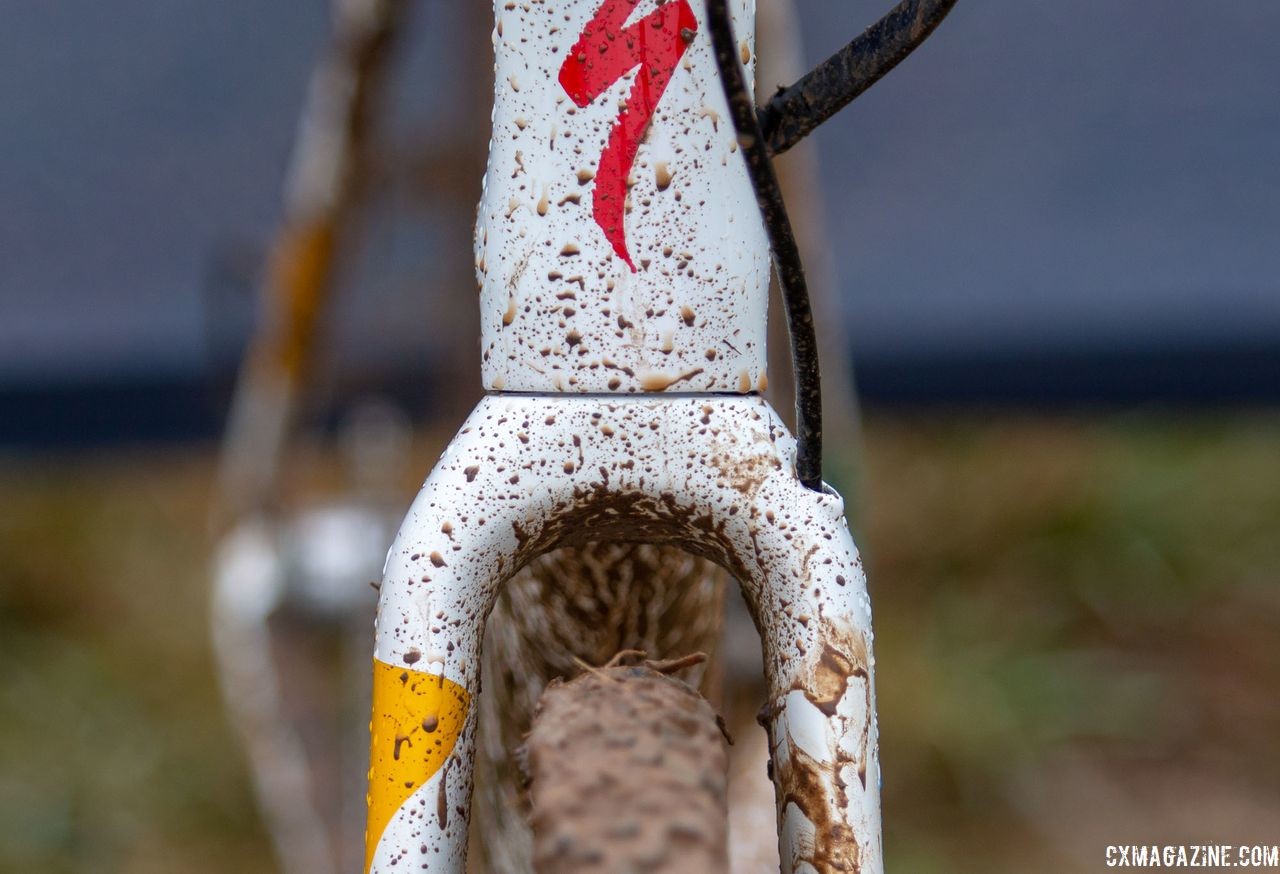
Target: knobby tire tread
x=627, y=771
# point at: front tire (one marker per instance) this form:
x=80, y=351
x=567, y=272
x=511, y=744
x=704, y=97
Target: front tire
x=628, y=773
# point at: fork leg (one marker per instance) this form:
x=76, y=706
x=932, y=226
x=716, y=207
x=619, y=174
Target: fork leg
x=811, y=605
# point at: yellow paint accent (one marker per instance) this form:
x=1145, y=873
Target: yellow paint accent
x=417, y=718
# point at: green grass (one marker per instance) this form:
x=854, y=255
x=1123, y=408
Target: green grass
x=1078, y=640
x=114, y=755
x=1083, y=601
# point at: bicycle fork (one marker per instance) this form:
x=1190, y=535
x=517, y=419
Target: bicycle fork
x=624, y=275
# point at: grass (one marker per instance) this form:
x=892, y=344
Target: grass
x=1078, y=643
x=1073, y=617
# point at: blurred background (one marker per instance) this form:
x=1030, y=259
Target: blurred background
x=1052, y=241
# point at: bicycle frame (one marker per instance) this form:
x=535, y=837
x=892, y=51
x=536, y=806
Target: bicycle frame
x=624, y=276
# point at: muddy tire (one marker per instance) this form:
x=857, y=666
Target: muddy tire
x=627, y=769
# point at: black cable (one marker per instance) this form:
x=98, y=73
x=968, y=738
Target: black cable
x=782, y=240
x=793, y=113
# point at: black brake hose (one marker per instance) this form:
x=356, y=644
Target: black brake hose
x=791, y=115
x=782, y=240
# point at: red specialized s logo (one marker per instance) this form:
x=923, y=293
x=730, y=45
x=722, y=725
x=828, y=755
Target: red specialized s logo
x=605, y=52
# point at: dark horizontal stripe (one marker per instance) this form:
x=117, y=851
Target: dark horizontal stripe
x=182, y=407
x=1221, y=375
x=168, y=408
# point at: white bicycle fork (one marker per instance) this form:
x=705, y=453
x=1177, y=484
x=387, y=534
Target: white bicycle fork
x=624, y=274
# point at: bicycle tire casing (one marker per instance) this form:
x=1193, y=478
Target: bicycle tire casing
x=619, y=248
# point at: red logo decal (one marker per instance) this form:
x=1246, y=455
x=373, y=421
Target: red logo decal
x=604, y=53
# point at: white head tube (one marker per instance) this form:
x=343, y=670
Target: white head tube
x=618, y=246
